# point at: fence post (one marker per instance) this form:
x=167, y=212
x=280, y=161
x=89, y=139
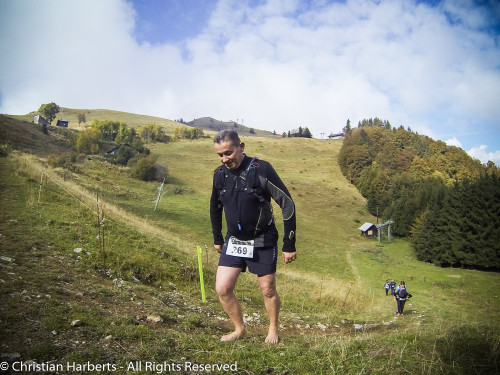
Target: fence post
x=40, y=188
x=160, y=188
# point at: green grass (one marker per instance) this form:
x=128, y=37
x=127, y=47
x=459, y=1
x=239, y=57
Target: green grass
x=451, y=325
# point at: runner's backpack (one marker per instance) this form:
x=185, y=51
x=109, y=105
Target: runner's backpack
x=249, y=183
x=402, y=293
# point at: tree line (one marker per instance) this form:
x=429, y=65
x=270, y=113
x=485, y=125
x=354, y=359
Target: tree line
x=447, y=203
x=298, y=133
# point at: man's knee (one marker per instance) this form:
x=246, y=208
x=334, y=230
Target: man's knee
x=223, y=290
x=268, y=291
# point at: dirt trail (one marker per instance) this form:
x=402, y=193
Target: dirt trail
x=354, y=269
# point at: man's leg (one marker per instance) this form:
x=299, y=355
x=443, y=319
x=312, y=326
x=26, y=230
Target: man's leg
x=224, y=285
x=272, y=302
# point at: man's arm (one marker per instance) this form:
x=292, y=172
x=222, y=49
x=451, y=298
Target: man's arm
x=278, y=191
x=216, y=217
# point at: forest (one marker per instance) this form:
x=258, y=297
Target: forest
x=446, y=202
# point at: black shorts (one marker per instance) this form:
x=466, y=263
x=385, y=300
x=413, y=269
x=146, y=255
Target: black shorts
x=263, y=262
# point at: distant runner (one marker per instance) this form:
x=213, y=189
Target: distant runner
x=243, y=188
x=387, y=286
x=393, y=287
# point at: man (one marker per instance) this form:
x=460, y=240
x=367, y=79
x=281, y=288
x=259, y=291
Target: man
x=242, y=188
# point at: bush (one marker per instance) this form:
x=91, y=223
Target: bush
x=63, y=161
x=146, y=168
x=161, y=171
x=125, y=153
x=4, y=151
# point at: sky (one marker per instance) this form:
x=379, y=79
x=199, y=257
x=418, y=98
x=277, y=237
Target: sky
x=431, y=66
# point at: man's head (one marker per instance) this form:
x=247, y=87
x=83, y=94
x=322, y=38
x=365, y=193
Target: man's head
x=229, y=148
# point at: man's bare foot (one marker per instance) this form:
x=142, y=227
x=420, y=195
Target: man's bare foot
x=234, y=336
x=272, y=338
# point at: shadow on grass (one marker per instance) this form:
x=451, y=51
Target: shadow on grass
x=470, y=350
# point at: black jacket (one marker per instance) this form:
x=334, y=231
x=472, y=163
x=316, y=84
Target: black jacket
x=245, y=197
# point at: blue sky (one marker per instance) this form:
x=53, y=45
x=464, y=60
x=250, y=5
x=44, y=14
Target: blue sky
x=170, y=21
x=433, y=66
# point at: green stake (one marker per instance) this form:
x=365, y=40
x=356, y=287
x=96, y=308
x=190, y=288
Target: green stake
x=200, y=269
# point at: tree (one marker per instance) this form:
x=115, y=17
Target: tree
x=88, y=141
x=125, y=134
x=347, y=129
x=306, y=133
x=81, y=117
x=107, y=129
x=49, y=111
x=146, y=133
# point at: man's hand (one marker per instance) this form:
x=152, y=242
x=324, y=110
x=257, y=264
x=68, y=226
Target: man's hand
x=288, y=257
x=218, y=248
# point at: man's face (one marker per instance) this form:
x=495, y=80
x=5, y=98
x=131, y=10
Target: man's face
x=229, y=154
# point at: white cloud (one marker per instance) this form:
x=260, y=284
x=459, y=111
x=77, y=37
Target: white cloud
x=277, y=65
x=453, y=142
x=483, y=155
x=480, y=153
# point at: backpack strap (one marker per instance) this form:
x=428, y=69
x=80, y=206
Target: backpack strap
x=243, y=176
x=219, y=182
x=250, y=183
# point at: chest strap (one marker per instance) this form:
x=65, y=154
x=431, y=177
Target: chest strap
x=239, y=193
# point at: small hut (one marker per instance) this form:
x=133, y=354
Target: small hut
x=40, y=120
x=369, y=230
x=62, y=123
x=115, y=149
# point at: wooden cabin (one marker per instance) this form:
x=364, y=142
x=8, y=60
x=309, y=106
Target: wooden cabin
x=369, y=230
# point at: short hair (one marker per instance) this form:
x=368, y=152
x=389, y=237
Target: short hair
x=227, y=135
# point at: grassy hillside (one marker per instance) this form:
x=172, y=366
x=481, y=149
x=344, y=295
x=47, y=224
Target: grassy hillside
x=131, y=119
x=28, y=137
x=209, y=124
x=335, y=316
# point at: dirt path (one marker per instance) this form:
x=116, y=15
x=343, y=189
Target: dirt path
x=354, y=269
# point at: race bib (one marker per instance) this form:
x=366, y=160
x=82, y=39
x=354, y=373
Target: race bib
x=239, y=248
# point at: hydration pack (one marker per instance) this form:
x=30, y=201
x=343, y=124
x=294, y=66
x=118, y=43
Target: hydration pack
x=402, y=293
x=248, y=182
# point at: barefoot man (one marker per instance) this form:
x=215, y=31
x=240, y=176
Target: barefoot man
x=243, y=188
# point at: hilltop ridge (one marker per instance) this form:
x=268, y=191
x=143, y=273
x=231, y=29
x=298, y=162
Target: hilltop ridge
x=209, y=123
x=131, y=119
